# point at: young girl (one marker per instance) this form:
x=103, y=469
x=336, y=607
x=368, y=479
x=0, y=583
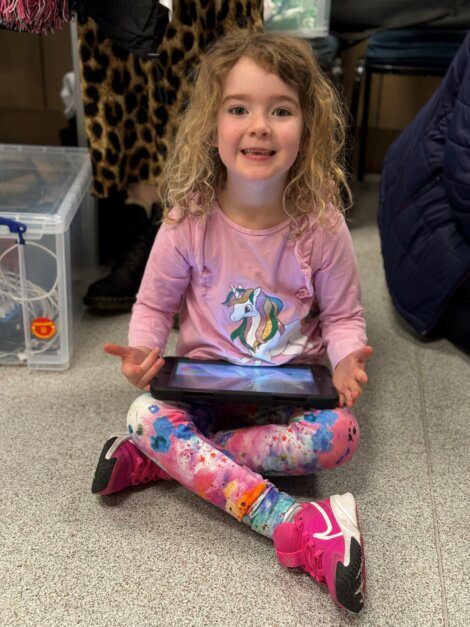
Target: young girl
x=255, y=256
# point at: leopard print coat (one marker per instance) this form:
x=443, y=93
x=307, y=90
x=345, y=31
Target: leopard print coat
x=132, y=105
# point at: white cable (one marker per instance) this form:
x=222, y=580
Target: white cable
x=49, y=252
x=41, y=304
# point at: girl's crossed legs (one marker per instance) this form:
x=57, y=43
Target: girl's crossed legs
x=226, y=467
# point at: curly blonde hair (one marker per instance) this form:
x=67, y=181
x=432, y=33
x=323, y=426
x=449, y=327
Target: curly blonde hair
x=194, y=170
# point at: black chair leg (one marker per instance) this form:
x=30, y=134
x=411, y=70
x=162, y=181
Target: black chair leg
x=364, y=126
x=353, y=113
x=358, y=74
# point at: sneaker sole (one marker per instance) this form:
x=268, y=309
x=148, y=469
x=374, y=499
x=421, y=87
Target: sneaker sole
x=350, y=574
x=349, y=580
x=104, y=470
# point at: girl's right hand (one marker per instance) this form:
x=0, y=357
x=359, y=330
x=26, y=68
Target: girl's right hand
x=139, y=364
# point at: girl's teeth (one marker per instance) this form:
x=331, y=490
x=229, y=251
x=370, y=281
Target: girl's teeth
x=258, y=152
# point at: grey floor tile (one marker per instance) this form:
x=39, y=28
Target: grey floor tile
x=446, y=402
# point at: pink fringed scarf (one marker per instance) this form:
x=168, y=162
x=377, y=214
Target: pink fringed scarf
x=34, y=16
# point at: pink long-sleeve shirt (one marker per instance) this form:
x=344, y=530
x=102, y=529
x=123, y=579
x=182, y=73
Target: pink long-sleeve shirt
x=251, y=296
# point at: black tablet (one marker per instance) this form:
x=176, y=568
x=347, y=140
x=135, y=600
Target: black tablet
x=183, y=379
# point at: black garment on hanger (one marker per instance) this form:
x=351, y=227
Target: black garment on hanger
x=136, y=26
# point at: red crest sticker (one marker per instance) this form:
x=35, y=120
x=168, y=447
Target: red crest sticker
x=43, y=328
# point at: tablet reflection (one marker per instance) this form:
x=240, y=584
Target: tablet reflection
x=286, y=380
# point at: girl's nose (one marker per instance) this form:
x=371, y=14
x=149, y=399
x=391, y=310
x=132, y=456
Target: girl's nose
x=259, y=127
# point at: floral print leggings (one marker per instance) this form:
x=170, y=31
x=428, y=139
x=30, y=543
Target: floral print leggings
x=223, y=453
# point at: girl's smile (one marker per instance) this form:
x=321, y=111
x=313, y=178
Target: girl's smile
x=258, y=154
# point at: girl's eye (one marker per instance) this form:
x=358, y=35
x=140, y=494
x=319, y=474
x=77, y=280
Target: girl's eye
x=282, y=113
x=238, y=110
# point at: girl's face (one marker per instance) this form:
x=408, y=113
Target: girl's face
x=259, y=125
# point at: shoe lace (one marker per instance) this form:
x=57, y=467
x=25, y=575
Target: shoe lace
x=313, y=558
x=145, y=470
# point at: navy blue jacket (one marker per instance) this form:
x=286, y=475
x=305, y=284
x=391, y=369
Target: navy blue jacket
x=424, y=207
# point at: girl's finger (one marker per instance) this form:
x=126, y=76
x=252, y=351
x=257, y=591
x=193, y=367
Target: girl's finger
x=341, y=401
x=151, y=372
x=348, y=398
x=355, y=390
x=134, y=372
x=361, y=376
x=117, y=350
x=363, y=354
x=149, y=360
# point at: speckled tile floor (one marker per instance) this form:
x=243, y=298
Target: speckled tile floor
x=161, y=556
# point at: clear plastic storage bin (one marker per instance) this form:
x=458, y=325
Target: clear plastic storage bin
x=304, y=18
x=47, y=251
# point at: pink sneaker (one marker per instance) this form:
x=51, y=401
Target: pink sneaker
x=121, y=464
x=325, y=541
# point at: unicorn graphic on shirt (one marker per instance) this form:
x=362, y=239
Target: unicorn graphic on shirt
x=261, y=331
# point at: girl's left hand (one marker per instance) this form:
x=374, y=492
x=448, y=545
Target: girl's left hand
x=350, y=375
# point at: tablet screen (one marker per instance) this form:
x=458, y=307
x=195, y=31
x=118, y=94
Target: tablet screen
x=286, y=380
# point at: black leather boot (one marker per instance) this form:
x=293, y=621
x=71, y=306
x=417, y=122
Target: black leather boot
x=117, y=291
